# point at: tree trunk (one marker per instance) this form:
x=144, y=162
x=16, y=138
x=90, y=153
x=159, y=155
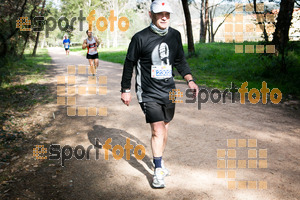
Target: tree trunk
x=212, y=24
x=205, y=19
x=5, y=39
x=25, y=43
x=28, y=33
x=20, y=15
x=209, y=36
x=184, y=29
x=281, y=34
x=265, y=34
x=266, y=37
x=38, y=33
x=3, y=46
x=202, y=37
x=191, y=48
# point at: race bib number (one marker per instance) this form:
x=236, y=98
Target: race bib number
x=66, y=45
x=92, y=50
x=161, y=71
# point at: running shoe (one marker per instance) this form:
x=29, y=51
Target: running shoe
x=165, y=170
x=158, y=178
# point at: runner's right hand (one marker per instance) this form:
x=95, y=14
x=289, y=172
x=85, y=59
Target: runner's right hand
x=126, y=98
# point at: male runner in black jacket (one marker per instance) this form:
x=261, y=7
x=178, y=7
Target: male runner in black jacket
x=154, y=52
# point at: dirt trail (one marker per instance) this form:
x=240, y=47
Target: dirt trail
x=191, y=154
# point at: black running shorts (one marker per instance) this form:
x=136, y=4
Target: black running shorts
x=66, y=49
x=155, y=112
x=88, y=56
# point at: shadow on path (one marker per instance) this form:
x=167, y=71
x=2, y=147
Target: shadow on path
x=119, y=138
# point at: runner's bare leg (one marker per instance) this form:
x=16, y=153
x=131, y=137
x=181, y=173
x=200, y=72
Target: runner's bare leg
x=159, y=138
x=91, y=61
x=96, y=64
x=166, y=134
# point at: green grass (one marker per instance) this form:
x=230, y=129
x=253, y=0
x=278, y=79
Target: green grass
x=116, y=54
x=26, y=70
x=77, y=49
x=113, y=56
x=23, y=87
x=217, y=65
x=20, y=88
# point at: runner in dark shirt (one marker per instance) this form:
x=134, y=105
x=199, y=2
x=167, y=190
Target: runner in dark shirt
x=147, y=48
x=154, y=52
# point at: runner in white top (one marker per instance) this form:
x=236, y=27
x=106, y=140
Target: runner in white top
x=91, y=43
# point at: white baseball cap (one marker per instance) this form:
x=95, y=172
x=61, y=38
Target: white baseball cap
x=158, y=6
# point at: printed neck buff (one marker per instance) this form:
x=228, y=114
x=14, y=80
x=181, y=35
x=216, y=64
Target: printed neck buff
x=159, y=31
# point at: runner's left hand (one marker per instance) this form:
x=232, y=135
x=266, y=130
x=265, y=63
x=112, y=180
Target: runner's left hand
x=194, y=86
